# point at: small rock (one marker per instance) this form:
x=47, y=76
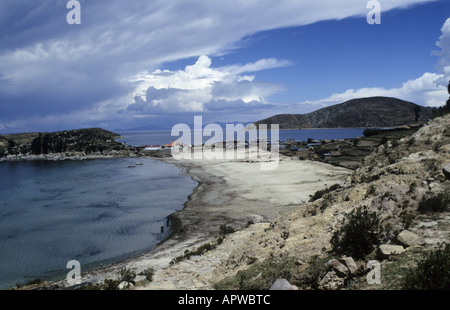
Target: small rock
x=407, y=238
x=139, y=278
x=282, y=285
x=446, y=171
x=331, y=281
x=340, y=269
x=386, y=250
x=124, y=285
x=350, y=263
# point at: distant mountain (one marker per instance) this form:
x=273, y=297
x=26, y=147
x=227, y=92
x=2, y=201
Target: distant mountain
x=356, y=113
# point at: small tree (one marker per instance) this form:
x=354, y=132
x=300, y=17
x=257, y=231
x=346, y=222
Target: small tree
x=431, y=273
x=360, y=232
x=417, y=113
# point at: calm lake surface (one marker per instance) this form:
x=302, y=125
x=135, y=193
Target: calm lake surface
x=93, y=211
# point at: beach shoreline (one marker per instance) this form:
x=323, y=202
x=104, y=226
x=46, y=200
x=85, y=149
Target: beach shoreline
x=229, y=192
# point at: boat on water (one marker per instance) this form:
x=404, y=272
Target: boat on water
x=131, y=166
x=139, y=164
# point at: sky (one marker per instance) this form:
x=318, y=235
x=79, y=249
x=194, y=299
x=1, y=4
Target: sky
x=156, y=63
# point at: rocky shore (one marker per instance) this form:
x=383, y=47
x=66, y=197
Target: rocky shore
x=67, y=156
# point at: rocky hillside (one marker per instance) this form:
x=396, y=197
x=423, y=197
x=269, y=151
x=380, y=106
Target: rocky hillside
x=356, y=113
x=405, y=184
x=78, y=142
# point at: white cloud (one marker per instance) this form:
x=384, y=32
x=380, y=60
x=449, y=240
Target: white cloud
x=427, y=90
x=443, y=64
x=199, y=87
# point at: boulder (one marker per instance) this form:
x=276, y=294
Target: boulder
x=340, y=269
x=407, y=239
x=446, y=171
x=350, y=264
x=387, y=250
x=282, y=285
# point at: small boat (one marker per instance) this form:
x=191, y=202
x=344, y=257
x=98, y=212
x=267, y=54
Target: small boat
x=139, y=164
x=131, y=166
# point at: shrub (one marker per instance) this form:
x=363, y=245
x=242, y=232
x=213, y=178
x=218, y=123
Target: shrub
x=127, y=275
x=360, y=232
x=249, y=223
x=148, y=273
x=319, y=194
x=371, y=190
x=431, y=273
x=260, y=275
x=436, y=146
x=225, y=230
x=438, y=203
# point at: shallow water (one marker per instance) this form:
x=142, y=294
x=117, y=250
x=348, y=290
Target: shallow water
x=93, y=211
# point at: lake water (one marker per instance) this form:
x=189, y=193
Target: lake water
x=93, y=211
x=161, y=137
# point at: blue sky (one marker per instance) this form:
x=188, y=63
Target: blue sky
x=157, y=63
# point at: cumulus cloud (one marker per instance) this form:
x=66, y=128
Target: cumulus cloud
x=202, y=88
x=443, y=64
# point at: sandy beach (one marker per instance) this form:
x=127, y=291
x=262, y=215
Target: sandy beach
x=231, y=192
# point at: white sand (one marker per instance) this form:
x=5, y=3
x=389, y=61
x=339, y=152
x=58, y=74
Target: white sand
x=230, y=192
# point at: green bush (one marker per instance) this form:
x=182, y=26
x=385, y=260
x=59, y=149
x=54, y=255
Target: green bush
x=260, y=275
x=438, y=203
x=431, y=273
x=319, y=194
x=225, y=230
x=360, y=232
